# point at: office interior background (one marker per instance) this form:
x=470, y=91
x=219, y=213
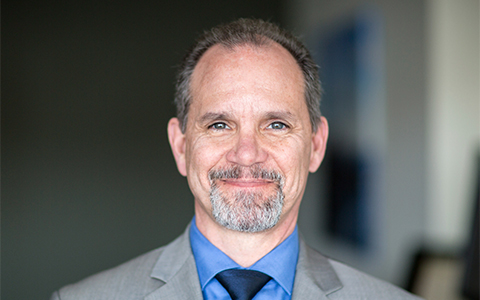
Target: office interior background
x=89, y=181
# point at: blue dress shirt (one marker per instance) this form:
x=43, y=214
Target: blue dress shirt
x=280, y=264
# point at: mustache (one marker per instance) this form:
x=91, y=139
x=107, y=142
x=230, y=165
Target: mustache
x=237, y=172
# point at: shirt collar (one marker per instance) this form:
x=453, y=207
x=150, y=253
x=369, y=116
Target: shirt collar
x=280, y=263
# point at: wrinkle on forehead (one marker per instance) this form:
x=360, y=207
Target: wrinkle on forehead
x=248, y=63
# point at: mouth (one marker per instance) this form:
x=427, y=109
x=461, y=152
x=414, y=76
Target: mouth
x=254, y=177
x=247, y=183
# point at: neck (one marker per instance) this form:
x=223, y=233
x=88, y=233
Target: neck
x=243, y=247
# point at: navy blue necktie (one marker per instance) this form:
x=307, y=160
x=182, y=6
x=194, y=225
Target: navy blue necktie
x=242, y=284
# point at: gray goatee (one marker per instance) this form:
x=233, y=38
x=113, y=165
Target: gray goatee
x=246, y=211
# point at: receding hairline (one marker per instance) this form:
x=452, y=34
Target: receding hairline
x=268, y=45
x=256, y=33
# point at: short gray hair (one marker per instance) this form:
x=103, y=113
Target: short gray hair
x=252, y=32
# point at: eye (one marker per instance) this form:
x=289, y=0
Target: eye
x=277, y=126
x=219, y=126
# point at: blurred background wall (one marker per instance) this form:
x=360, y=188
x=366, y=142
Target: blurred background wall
x=431, y=83
x=88, y=179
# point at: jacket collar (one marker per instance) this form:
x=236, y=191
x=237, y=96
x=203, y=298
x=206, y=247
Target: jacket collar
x=315, y=277
x=176, y=268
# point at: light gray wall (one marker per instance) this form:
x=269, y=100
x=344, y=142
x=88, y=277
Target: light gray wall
x=453, y=120
x=400, y=217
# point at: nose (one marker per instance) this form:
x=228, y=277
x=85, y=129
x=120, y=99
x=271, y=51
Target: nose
x=247, y=149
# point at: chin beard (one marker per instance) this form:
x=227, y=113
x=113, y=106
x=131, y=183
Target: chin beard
x=246, y=211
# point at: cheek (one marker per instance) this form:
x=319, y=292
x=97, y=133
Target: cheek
x=293, y=154
x=294, y=162
x=202, y=157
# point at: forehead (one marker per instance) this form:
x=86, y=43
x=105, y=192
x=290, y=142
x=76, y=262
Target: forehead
x=246, y=67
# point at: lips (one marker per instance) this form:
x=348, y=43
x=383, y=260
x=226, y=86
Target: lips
x=247, y=183
x=254, y=176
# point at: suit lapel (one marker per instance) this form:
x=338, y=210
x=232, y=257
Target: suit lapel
x=177, y=269
x=315, y=278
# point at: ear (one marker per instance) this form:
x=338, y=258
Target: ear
x=177, y=143
x=319, y=144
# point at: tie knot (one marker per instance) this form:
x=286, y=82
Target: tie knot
x=242, y=284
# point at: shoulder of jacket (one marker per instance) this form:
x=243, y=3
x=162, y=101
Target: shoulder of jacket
x=121, y=282
x=359, y=285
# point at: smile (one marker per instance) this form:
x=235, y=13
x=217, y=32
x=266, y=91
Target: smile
x=247, y=183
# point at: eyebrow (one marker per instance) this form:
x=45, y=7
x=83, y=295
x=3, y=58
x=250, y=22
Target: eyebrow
x=223, y=115
x=210, y=116
x=285, y=115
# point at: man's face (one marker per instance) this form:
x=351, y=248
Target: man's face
x=248, y=144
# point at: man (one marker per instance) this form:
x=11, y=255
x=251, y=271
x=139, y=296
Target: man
x=248, y=132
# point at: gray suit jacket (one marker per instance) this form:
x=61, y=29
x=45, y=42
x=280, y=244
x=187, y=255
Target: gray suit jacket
x=170, y=273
